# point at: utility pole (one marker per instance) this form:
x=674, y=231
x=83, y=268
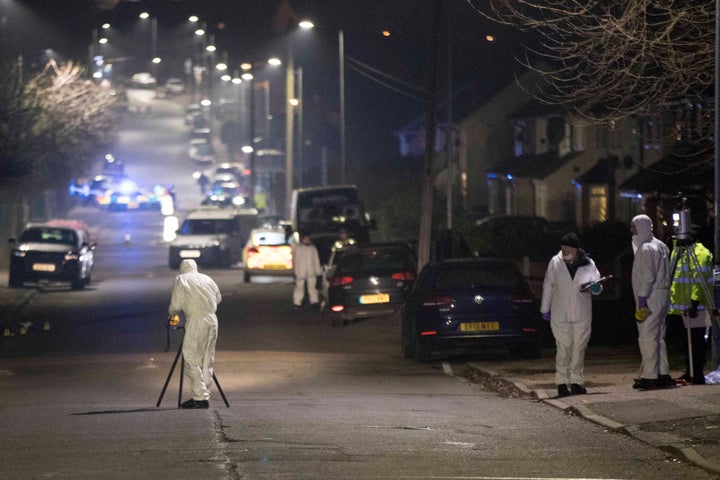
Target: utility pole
x=289, y=127
x=426, y=209
x=341, y=63
x=253, y=174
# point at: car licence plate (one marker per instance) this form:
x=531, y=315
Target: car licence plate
x=376, y=298
x=275, y=266
x=44, y=267
x=189, y=253
x=479, y=326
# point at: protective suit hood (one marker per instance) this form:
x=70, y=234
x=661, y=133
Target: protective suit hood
x=188, y=266
x=643, y=225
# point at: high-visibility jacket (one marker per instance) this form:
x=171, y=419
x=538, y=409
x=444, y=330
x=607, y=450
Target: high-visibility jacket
x=687, y=282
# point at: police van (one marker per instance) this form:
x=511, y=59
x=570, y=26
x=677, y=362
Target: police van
x=213, y=236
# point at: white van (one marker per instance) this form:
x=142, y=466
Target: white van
x=213, y=236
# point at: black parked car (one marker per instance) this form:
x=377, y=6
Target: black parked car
x=368, y=281
x=469, y=304
x=59, y=250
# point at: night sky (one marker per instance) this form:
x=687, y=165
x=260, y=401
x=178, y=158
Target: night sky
x=246, y=29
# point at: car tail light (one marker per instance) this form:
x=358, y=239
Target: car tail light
x=428, y=333
x=435, y=300
x=252, y=250
x=340, y=280
x=400, y=276
x=337, y=308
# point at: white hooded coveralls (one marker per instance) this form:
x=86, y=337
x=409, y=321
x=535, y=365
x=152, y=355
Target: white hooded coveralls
x=306, y=267
x=651, y=279
x=197, y=296
x=570, y=316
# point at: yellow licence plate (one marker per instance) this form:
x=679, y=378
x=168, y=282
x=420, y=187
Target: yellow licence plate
x=44, y=267
x=479, y=326
x=189, y=253
x=276, y=266
x=377, y=298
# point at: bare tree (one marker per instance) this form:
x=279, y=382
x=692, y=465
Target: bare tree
x=52, y=127
x=76, y=121
x=608, y=61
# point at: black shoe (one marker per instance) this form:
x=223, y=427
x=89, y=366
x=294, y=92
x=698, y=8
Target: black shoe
x=195, y=404
x=297, y=308
x=645, y=384
x=576, y=389
x=665, y=381
x=563, y=391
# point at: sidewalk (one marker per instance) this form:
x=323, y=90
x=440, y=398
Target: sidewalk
x=683, y=420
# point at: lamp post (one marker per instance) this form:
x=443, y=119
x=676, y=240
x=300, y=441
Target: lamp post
x=248, y=76
x=154, y=59
x=306, y=25
x=289, y=127
x=301, y=142
x=341, y=63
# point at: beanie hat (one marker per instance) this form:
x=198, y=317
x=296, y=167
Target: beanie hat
x=570, y=240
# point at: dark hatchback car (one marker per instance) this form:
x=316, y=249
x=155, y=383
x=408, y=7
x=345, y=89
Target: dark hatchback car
x=372, y=280
x=59, y=250
x=468, y=304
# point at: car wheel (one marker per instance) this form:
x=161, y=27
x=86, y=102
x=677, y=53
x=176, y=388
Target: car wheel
x=337, y=321
x=405, y=343
x=78, y=284
x=15, y=280
x=421, y=353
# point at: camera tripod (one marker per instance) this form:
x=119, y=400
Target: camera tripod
x=684, y=255
x=182, y=375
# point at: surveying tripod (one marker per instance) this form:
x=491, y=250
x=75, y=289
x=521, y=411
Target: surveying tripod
x=182, y=374
x=684, y=255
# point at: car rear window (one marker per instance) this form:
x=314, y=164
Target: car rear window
x=50, y=235
x=269, y=238
x=206, y=227
x=490, y=275
x=374, y=261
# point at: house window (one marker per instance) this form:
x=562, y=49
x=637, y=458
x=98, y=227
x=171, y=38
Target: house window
x=578, y=138
x=520, y=139
x=598, y=204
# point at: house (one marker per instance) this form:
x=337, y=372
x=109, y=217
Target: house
x=518, y=156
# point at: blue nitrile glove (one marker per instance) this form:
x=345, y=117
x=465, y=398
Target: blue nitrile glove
x=546, y=316
x=642, y=302
x=595, y=288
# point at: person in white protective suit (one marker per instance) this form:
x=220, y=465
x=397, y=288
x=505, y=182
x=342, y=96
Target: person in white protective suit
x=570, y=280
x=197, y=296
x=650, y=284
x=306, y=267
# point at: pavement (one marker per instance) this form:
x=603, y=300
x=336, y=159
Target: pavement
x=683, y=420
